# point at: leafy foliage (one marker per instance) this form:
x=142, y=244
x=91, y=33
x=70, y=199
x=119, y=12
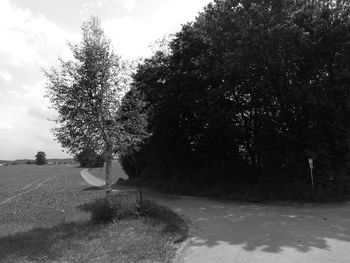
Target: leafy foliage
x=86, y=92
x=115, y=207
x=133, y=116
x=89, y=158
x=248, y=92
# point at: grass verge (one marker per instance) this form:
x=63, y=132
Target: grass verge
x=123, y=206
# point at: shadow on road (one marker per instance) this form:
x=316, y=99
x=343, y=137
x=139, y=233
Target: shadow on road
x=268, y=227
x=93, y=188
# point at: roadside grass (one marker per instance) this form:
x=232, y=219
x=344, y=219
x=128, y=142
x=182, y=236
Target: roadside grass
x=48, y=224
x=124, y=241
x=123, y=206
x=117, y=172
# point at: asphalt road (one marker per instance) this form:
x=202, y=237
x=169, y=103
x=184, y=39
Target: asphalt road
x=246, y=233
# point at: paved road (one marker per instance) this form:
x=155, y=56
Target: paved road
x=92, y=180
x=242, y=232
x=234, y=232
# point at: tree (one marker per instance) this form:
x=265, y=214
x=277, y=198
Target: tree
x=89, y=158
x=86, y=93
x=40, y=158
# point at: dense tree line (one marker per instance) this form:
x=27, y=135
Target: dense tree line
x=244, y=95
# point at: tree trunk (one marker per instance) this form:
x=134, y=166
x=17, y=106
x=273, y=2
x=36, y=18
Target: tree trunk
x=109, y=157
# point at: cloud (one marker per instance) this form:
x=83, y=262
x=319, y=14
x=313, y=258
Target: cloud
x=28, y=39
x=35, y=91
x=128, y=5
x=174, y=13
x=5, y=75
x=41, y=113
x=130, y=37
x=4, y=126
x=95, y=4
x=133, y=37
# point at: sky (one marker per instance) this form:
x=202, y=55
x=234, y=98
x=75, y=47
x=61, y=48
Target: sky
x=34, y=33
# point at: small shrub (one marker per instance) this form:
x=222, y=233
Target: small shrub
x=101, y=211
x=115, y=207
x=123, y=206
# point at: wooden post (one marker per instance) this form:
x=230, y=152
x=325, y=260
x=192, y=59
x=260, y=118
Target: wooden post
x=311, y=165
x=141, y=194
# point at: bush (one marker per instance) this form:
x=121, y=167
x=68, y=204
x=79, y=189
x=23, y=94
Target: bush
x=89, y=158
x=115, y=207
x=122, y=206
x=101, y=211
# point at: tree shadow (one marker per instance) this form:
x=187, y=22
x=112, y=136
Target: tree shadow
x=266, y=227
x=43, y=244
x=94, y=188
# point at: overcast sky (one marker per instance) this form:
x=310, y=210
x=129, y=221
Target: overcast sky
x=34, y=34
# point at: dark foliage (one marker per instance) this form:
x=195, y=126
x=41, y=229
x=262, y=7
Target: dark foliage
x=115, y=207
x=248, y=92
x=40, y=158
x=89, y=158
x=133, y=117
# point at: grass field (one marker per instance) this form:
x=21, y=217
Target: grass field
x=41, y=220
x=117, y=172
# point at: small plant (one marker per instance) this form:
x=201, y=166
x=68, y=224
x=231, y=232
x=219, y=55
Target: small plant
x=123, y=206
x=101, y=211
x=115, y=207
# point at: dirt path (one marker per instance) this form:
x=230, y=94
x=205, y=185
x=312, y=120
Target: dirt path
x=233, y=232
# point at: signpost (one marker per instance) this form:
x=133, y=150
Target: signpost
x=311, y=165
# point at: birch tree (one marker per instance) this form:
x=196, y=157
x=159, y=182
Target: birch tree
x=86, y=92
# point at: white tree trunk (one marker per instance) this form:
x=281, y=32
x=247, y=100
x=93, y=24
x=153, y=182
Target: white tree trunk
x=109, y=157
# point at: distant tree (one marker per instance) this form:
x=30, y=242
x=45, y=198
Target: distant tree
x=86, y=92
x=40, y=158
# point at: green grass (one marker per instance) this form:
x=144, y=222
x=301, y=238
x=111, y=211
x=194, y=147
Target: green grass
x=117, y=172
x=47, y=224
